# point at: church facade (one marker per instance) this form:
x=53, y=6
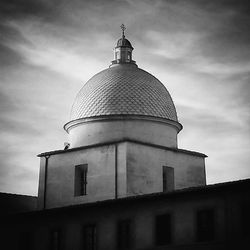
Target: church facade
x=122, y=182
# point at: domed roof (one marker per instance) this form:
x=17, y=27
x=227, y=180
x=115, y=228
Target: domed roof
x=123, y=89
x=123, y=42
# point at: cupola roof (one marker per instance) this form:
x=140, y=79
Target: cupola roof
x=123, y=42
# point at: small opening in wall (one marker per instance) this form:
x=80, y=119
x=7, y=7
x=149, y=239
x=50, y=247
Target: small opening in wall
x=55, y=239
x=124, y=234
x=118, y=55
x=25, y=241
x=89, y=237
x=245, y=219
x=81, y=179
x=163, y=228
x=205, y=225
x=168, y=178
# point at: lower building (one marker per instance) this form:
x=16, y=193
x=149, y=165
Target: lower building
x=16, y=203
x=209, y=217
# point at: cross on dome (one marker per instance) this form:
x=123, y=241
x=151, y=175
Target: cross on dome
x=123, y=28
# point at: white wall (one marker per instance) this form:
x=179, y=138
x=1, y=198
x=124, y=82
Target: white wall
x=150, y=130
x=119, y=169
x=144, y=169
x=61, y=175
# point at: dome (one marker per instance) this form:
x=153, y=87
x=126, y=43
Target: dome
x=123, y=102
x=123, y=42
x=123, y=89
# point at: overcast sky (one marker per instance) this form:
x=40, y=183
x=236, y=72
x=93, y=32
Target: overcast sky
x=199, y=49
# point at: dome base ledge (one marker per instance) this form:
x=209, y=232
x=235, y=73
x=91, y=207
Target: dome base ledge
x=145, y=118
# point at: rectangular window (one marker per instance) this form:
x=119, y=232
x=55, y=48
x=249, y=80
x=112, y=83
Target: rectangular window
x=168, y=178
x=129, y=56
x=163, y=228
x=205, y=225
x=81, y=179
x=25, y=241
x=89, y=237
x=245, y=220
x=124, y=234
x=118, y=55
x=55, y=238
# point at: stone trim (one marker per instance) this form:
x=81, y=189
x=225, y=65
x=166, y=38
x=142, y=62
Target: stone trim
x=121, y=141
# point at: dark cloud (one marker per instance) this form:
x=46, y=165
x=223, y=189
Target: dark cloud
x=228, y=37
x=223, y=27
x=14, y=11
x=37, y=89
x=10, y=36
x=242, y=6
x=23, y=9
x=230, y=45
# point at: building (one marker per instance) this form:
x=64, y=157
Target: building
x=122, y=182
x=123, y=139
x=15, y=203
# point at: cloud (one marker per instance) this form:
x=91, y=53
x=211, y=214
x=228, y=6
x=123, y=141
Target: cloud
x=198, y=49
x=23, y=9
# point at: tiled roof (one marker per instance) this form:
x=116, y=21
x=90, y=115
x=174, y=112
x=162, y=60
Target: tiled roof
x=218, y=188
x=123, y=90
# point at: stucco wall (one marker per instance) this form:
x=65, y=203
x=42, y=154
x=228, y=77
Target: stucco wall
x=144, y=169
x=115, y=170
x=61, y=176
x=101, y=131
x=41, y=184
x=122, y=169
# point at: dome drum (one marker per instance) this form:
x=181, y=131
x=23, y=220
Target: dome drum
x=83, y=132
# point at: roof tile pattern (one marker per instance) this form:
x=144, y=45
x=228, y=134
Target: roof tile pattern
x=123, y=90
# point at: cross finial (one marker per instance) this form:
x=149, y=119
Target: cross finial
x=123, y=29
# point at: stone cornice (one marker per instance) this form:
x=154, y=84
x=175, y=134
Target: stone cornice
x=110, y=118
x=184, y=151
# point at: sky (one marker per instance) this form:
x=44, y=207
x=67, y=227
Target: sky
x=200, y=50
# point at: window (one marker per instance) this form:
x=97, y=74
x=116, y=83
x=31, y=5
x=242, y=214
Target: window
x=55, y=240
x=205, y=225
x=168, y=178
x=118, y=55
x=129, y=56
x=25, y=241
x=245, y=220
x=89, y=237
x=81, y=179
x=124, y=234
x=163, y=226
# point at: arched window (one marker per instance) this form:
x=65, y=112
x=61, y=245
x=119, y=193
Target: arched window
x=118, y=55
x=129, y=55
